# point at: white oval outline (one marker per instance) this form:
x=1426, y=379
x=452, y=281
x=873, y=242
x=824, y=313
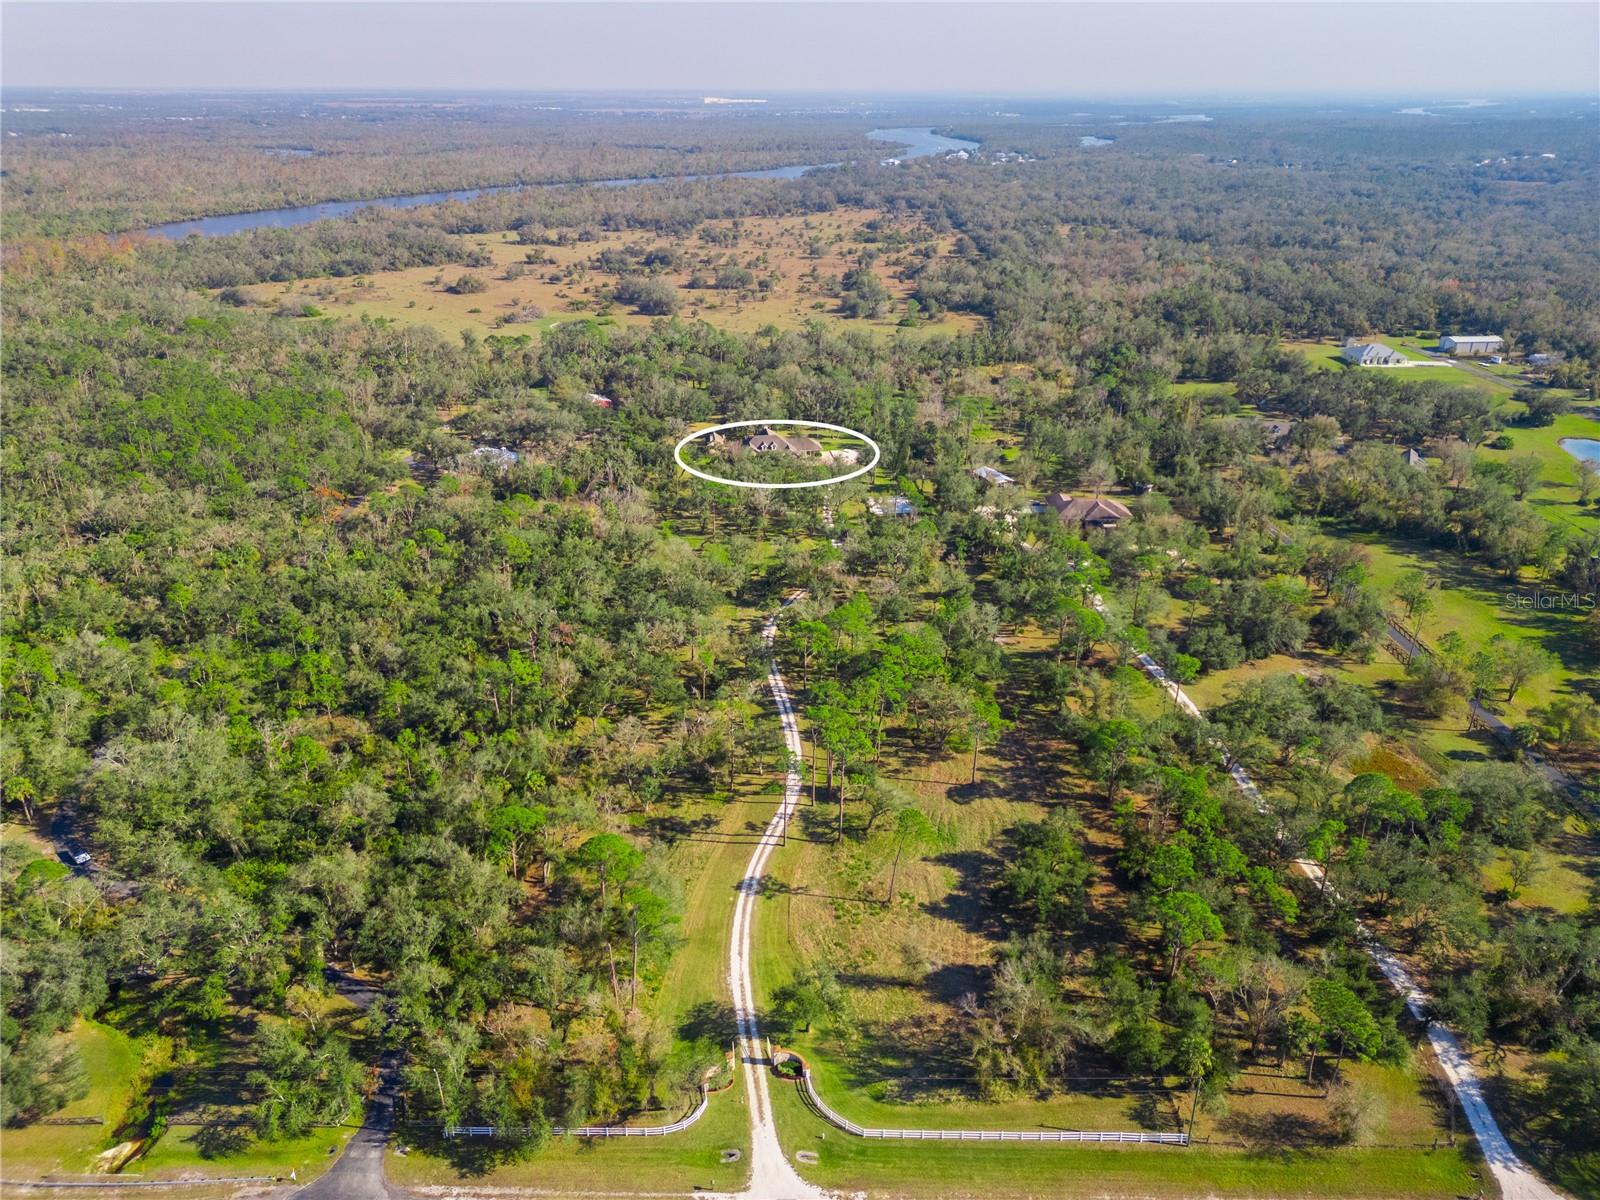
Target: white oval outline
x=677, y=454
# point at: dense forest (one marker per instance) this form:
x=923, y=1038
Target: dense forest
x=322, y=689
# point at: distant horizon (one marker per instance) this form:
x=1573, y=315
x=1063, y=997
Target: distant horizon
x=1026, y=51
x=690, y=92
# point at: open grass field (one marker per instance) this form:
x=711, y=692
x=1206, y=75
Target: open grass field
x=958, y=1171
x=709, y=847
x=905, y=965
x=1556, y=494
x=1471, y=599
x=1564, y=874
x=800, y=258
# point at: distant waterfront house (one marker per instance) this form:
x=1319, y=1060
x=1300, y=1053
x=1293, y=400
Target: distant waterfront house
x=767, y=442
x=1370, y=354
x=1473, y=343
x=1413, y=458
x=993, y=477
x=891, y=506
x=1098, y=513
x=496, y=457
x=1273, y=432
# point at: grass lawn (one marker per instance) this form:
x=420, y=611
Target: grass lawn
x=1556, y=494
x=111, y=1060
x=711, y=843
x=1471, y=599
x=955, y=1171
x=1565, y=871
x=1324, y=356
x=194, y=1150
x=682, y=1162
x=1202, y=388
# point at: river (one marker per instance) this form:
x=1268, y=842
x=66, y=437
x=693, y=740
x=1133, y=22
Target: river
x=920, y=143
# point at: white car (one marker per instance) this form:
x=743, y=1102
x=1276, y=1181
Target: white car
x=79, y=858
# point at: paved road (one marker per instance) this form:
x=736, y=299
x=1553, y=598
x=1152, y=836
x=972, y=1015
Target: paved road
x=771, y=1175
x=358, y=1175
x=1516, y=1179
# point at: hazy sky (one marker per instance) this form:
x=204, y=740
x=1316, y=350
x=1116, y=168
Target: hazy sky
x=1420, y=49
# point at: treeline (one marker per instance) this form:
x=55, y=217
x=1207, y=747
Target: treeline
x=1078, y=255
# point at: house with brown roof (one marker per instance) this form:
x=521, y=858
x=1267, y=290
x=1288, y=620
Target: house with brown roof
x=1096, y=513
x=767, y=442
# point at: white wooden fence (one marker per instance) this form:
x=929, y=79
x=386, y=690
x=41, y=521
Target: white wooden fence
x=1137, y=1137
x=593, y=1131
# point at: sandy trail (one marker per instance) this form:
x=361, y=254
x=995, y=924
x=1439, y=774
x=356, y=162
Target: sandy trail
x=771, y=1175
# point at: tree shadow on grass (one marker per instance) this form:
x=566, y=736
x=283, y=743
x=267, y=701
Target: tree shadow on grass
x=967, y=904
x=670, y=827
x=1150, y=1110
x=470, y=1158
x=219, y=1141
x=708, y=1023
x=1282, y=1136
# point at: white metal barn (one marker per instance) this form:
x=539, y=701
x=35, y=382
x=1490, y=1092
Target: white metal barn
x=1478, y=343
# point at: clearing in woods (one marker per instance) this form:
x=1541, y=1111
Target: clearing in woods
x=775, y=271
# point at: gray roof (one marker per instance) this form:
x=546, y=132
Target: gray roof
x=1370, y=352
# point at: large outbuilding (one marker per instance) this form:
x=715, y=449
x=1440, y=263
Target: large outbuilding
x=1471, y=343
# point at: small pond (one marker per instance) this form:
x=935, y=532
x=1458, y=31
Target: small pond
x=1583, y=449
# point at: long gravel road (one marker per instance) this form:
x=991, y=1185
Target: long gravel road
x=772, y=1177
x=1516, y=1179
